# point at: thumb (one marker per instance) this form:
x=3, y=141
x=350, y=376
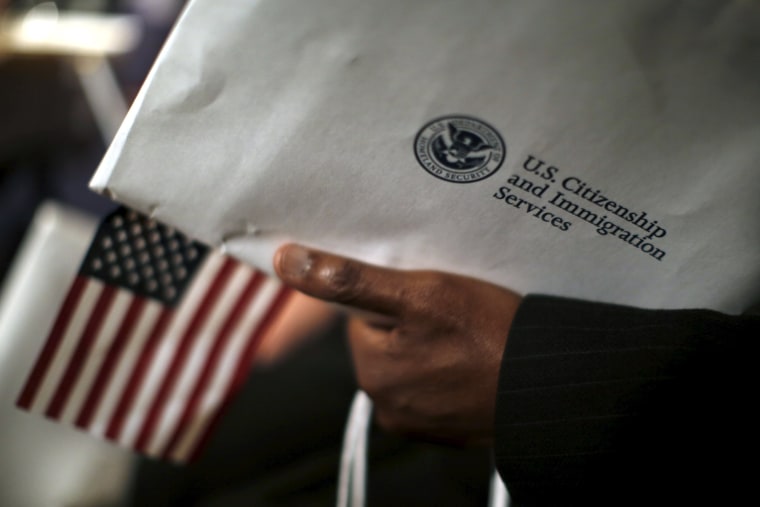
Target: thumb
x=342, y=280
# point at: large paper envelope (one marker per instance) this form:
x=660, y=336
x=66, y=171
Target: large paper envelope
x=604, y=150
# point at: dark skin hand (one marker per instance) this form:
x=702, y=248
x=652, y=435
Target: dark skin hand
x=427, y=348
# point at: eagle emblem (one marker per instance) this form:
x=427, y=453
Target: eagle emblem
x=460, y=149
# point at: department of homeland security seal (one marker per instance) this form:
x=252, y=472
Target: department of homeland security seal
x=459, y=149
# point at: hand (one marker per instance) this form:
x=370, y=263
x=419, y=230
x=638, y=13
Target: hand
x=430, y=354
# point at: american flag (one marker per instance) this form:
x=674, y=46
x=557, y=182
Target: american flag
x=155, y=335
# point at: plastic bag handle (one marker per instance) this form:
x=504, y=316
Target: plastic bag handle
x=352, y=479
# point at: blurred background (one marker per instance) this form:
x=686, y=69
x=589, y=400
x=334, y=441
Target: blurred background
x=68, y=70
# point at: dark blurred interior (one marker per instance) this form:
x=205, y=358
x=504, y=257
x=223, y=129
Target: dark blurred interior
x=50, y=142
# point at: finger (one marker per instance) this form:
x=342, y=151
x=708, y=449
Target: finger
x=341, y=280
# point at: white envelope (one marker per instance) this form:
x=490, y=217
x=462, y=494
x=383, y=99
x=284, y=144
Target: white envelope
x=604, y=150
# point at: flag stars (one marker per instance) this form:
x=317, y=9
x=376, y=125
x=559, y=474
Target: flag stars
x=136, y=252
x=144, y=255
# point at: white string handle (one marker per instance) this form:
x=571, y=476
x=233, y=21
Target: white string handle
x=353, y=458
x=498, y=496
x=352, y=479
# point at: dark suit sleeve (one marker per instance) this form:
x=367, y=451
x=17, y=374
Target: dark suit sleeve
x=608, y=405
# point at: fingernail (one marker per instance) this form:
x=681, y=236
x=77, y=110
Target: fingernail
x=295, y=261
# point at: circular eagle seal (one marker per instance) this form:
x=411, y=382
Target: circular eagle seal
x=459, y=149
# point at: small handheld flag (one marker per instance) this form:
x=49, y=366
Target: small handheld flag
x=156, y=334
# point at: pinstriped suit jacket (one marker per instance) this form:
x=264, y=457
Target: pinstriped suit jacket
x=609, y=405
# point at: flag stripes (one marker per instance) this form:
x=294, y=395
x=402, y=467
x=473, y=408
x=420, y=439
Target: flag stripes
x=124, y=373
x=87, y=362
x=84, y=344
x=144, y=374
x=204, y=379
x=216, y=386
x=127, y=400
x=64, y=345
x=54, y=341
x=110, y=361
x=198, y=319
x=235, y=382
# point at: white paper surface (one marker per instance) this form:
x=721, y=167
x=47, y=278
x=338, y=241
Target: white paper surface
x=42, y=462
x=285, y=120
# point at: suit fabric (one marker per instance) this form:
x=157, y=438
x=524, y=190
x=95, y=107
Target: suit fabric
x=602, y=404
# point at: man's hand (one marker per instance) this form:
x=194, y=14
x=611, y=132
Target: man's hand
x=429, y=349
